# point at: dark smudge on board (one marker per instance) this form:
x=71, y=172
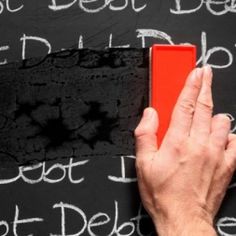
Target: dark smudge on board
x=71, y=103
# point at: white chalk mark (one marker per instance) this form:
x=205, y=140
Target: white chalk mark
x=93, y=223
x=121, y=46
x=64, y=206
x=1, y=8
x=115, y=230
x=13, y=10
x=123, y=178
x=86, y=5
x=232, y=119
x=59, y=167
x=44, y=175
x=232, y=186
x=16, y=221
x=82, y=4
x=118, y=8
x=70, y=168
x=225, y=222
x=138, y=218
x=151, y=33
x=35, y=38
x=56, y=7
x=5, y=224
x=4, y=48
x=138, y=9
x=180, y=11
x=224, y=10
x=212, y=6
x=23, y=169
x=80, y=44
x=207, y=54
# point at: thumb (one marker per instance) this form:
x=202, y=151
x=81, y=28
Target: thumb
x=145, y=133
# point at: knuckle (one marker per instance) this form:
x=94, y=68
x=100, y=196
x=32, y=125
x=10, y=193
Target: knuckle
x=201, y=150
x=139, y=165
x=224, y=121
x=205, y=105
x=187, y=106
x=138, y=132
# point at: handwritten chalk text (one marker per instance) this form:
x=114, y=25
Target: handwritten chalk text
x=60, y=169
x=10, y=8
x=86, y=226
x=89, y=6
x=216, y=8
x=208, y=54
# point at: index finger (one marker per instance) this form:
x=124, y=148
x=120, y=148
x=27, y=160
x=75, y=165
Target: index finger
x=182, y=115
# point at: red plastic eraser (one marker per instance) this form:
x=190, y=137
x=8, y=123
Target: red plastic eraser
x=170, y=66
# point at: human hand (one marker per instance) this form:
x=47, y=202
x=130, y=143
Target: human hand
x=183, y=182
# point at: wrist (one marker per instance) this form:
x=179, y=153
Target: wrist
x=186, y=225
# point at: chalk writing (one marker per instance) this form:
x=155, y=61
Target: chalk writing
x=86, y=5
x=207, y=54
x=16, y=221
x=88, y=225
x=123, y=178
x=45, y=174
x=226, y=6
x=206, y=57
x=56, y=25
x=9, y=7
x=39, y=39
x=233, y=125
x=224, y=223
x=4, y=48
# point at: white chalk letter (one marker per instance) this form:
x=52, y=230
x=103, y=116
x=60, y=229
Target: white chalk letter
x=5, y=224
x=137, y=9
x=118, y=8
x=71, y=166
x=121, y=46
x=123, y=178
x=56, y=7
x=90, y=10
x=93, y=223
x=42, y=40
x=226, y=222
x=151, y=33
x=207, y=54
x=16, y=221
x=23, y=169
x=179, y=9
x=56, y=166
x=13, y=10
x=64, y=206
x=3, y=48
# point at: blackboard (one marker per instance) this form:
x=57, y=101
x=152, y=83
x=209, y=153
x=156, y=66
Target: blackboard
x=101, y=92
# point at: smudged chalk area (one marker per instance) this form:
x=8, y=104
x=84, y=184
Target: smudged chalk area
x=70, y=104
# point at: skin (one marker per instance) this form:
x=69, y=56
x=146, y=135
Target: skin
x=182, y=183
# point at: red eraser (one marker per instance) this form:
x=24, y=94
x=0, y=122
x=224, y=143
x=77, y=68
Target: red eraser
x=170, y=66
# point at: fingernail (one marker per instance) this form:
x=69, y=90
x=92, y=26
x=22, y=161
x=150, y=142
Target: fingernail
x=148, y=113
x=207, y=74
x=223, y=116
x=207, y=69
x=199, y=72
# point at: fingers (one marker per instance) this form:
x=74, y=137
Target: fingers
x=230, y=153
x=220, y=128
x=145, y=133
x=201, y=124
x=181, y=119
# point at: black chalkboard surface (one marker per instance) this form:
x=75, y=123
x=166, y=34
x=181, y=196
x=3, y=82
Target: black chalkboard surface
x=66, y=120
x=66, y=141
